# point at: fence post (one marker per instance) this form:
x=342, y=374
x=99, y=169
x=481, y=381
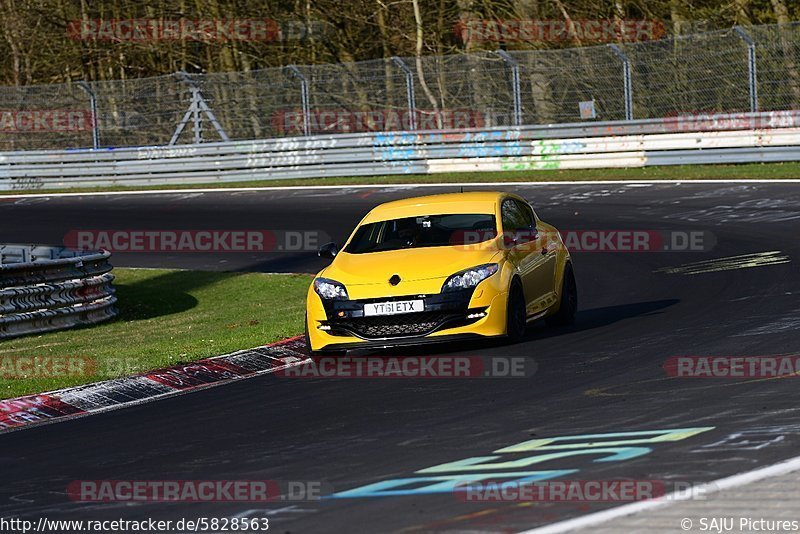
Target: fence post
x=412, y=107
x=295, y=72
x=197, y=106
x=626, y=81
x=93, y=106
x=751, y=66
x=511, y=62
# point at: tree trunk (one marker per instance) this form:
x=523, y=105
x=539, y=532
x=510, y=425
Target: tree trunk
x=782, y=15
x=418, y=60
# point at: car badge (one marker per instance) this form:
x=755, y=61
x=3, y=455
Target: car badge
x=394, y=280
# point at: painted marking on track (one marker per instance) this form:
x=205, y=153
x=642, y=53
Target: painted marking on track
x=744, y=261
x=759, y=437
x=762, y=295
x=27, y=201
x=612, y=447
x=772, y=210
x=779, y=326
x=598, y=518
x=671, y=388
x=753, y=439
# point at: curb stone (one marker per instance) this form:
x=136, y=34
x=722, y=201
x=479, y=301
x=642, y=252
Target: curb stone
x=72, y=402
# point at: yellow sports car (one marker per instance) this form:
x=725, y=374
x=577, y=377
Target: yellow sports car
x=440, y=268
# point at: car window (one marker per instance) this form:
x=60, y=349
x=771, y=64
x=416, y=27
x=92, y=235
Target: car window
x=527, y=211
x=514, y=219
x=423, y=231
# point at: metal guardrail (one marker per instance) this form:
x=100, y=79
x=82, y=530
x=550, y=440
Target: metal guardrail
x=51, y=288
x=736, y=138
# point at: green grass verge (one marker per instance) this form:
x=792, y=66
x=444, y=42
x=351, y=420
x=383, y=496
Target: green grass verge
x=755, y=171
x=166, y=317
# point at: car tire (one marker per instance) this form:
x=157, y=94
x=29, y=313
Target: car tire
x=516, y=314
x=568, y=308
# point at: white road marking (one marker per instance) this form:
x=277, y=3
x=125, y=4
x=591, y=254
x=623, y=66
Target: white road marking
x=631, y=183
x=597, y=518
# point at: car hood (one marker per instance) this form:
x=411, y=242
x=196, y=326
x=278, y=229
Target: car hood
x=420, y=269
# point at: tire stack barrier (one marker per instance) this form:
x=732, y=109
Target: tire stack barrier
x=52, y=288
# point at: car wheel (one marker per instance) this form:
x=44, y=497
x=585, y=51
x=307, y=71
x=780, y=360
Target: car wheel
x=516, y=315
x=569, y=301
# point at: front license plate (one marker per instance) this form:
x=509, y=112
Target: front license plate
x=393, y=308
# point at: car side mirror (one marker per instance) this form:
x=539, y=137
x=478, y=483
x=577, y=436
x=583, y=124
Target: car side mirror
x=328, y=250
x=509, y=240
x=526, y=235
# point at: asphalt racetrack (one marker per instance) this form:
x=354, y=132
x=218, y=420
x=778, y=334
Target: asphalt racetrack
x=605, y=375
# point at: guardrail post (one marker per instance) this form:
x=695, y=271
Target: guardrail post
x=626, y=81
x=511, y=62
x=93, y=106
x=197, y=106
x=412, y=106
x=752, y=75
x=295, y=72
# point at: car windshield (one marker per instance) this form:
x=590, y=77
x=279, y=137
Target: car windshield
x=423, y=231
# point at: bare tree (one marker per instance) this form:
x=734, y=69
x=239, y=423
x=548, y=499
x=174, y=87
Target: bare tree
x=782, y=16
x=418, y=60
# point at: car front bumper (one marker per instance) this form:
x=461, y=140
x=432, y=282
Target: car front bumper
x=341, y=324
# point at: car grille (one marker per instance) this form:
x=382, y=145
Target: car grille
x=409, y=324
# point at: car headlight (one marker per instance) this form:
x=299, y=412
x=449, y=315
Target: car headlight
x=329, y=289
x=470, y=277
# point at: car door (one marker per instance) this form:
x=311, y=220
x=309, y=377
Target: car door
x=517, y=236
x=535, y=262
x=543, y=248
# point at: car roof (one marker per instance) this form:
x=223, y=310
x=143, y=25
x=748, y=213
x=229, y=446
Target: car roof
x=469, y=202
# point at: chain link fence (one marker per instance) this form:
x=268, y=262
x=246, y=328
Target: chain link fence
x=755, y=68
